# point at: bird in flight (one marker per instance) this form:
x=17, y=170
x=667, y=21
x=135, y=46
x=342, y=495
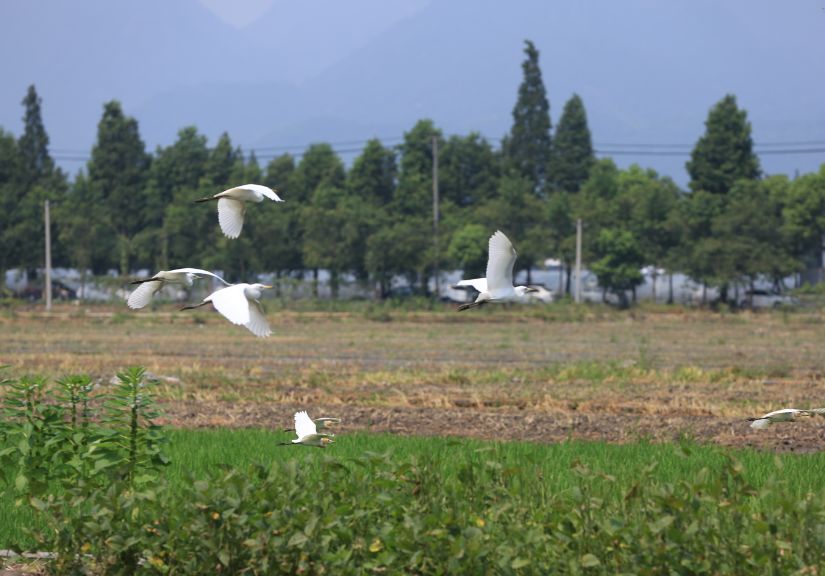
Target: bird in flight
x=783, y=415
x=320, y=423
x=232, y=205
x=307, y=433
x=240, y=304
x=497, y=286
x=148, y=287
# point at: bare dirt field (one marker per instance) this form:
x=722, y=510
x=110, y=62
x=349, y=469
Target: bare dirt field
x=502, y=373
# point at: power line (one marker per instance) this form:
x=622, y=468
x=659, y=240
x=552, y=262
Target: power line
x=688, y=152
x=604, y=148
x=797, y=151
x=333, y=144
x=663, y=145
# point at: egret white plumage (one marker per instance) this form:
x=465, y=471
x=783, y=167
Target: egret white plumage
x=320, y=423
x=239, y=303
x=232, y=205
x=307, y=433
x=498, y=284
x=783, y=415
x=147, y=288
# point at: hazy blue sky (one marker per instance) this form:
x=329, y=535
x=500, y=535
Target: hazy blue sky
x=279, y=74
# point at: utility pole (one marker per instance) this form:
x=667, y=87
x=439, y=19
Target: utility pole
x=578, y=288
x=48, y=259
x=435, y=218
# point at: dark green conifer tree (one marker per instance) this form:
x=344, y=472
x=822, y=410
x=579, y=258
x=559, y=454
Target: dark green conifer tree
x=724, y=153
x=118, y=171
x=527, y=147
x=572, y=153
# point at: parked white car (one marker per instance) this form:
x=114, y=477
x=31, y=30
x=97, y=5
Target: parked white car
x=765, y=299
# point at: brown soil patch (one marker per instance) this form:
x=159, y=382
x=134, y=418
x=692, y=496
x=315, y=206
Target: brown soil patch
x=525, y=425
x=510, y=374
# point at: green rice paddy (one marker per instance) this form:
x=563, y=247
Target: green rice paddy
x=545, y=467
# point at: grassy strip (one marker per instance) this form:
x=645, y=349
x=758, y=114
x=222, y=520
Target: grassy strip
x=195, y=454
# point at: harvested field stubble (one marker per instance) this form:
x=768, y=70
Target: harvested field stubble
x=509, y=373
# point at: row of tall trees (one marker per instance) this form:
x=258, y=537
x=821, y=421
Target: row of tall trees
x=131, y=209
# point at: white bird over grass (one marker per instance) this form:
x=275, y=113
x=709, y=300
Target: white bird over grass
x=232, y=205
x=150, y=286
x=498, y=284
x=320, y=423
x=783, y=415
x=239, y=303
x=307, y=433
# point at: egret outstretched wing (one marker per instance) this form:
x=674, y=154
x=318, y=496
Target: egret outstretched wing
x=232, y=303
x=199, y=272
x=781, y=415
x=480, y=284
x=264, y=190
x=500, y=261
x=230, y=216
x=142, y=295
x=304, y=426
x=257, y=320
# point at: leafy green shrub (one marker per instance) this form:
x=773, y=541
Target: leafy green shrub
x=379, y=515
x=65, y=436
x=75, y=462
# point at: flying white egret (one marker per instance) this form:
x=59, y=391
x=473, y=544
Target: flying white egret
x=498, y=285
x=150, y=286
x=307, y=434
x=783, y=415
x=232, y=205
x=240, y=305
x=320, y=423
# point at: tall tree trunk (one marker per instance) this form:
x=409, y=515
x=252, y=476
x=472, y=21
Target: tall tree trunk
x=83, y=284
x=622, y=294
x=569, y=273
x=163, y=264
x=529, y=275
x=653, y=277
x=315, y=283
x=561, y=279
x=670, y=288
x=333, y=283
x=123, y=244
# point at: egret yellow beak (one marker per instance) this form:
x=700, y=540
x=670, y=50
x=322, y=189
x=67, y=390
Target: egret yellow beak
x=265, y=286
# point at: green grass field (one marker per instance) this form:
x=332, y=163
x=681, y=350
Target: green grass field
x=196, y=453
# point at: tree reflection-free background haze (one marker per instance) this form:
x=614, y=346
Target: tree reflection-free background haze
x=274, y=73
